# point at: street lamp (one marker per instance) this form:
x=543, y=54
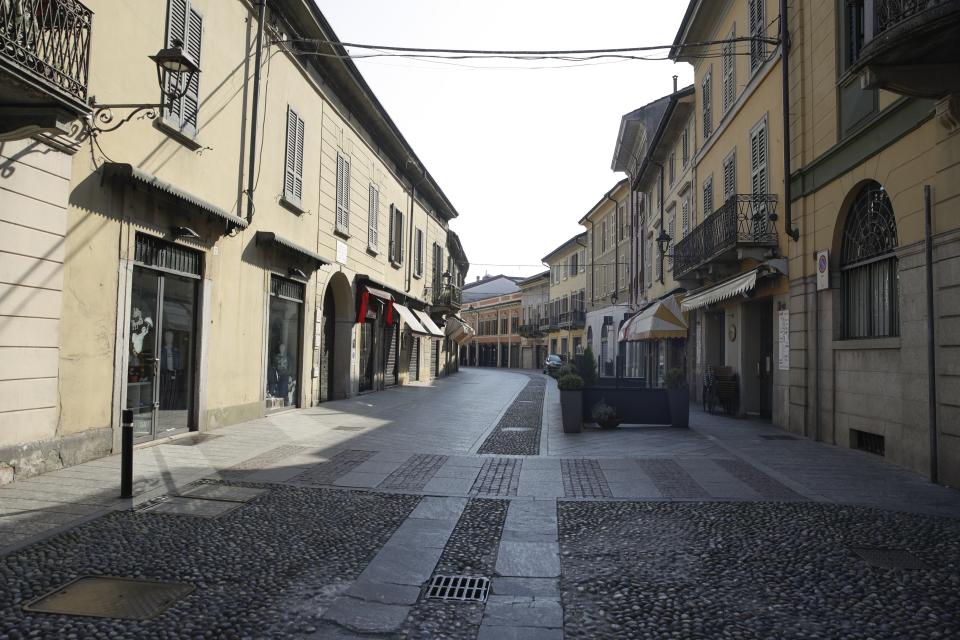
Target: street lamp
x=171, y=62
x=663, y=243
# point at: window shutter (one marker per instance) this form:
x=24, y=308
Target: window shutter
x=391, y=235
x=176, y=30
x=758, y=159
x=756, y=31
x=190, y=102
x=373, y=219
x=729, y=73
x=729, y=177
x=399, y=235
x=685, y=207
x=707, y=97
x=708, y=197
x=293, y=164
x=343, y=194
x=583, y=260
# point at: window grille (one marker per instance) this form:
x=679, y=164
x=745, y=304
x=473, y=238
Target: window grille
x=287, y=289
x=868, y=267
x=154, y=252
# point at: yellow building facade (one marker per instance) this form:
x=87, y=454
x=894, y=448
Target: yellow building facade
x=260, y=242
x=567, y=305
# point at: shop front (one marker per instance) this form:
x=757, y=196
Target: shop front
x=378, y=339
x=284, y=331
x=653, y=341
x=162, y=349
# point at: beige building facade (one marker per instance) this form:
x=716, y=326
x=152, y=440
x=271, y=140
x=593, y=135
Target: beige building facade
x=496, y=321
x=237, y=253
x=534, y=320
x=567, y=305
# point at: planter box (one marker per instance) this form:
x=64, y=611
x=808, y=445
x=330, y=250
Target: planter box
x=679, y=407
x=633, y=405
x=571, y=405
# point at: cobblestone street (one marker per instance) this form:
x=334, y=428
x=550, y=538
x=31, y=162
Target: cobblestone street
x=334, y=522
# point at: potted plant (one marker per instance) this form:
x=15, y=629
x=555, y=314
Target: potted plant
x=605, y=415
x=678, y=398
x=571, y=402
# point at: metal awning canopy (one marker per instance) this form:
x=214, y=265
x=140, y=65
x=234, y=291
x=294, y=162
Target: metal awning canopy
x=269, y=238
x=661, y=320
x=129, y=173
x=379, y=293
x=410, y=319
x=429, y=324
x=723, y=291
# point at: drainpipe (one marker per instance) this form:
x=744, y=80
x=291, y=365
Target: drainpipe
x=931, y=340
x=816, y=357
x=662, y=223
x=258, y=54
x=785, y=73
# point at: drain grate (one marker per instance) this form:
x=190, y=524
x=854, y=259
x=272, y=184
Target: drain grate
x=891, y=558
x=778, y=437
x=459, y=588
x=110, y=597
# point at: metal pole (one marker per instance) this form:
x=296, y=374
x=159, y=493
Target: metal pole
x=126, y=454
x=931, y=339
x=258, y=56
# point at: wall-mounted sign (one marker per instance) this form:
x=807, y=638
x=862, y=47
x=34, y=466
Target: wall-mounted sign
x=823, y=269
x=784, y=335
x=341, y=252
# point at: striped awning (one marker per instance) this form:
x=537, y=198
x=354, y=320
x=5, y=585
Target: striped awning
x=661, y=320
x=723, y=291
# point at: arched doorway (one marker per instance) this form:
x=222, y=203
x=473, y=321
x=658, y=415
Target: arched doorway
x=337, y=320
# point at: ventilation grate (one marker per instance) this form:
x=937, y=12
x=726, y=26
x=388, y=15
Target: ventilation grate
x=869, y=442
x=778, y=437
x=459, y=588
x=891, y=558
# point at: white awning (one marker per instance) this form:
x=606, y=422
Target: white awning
x=428, y=324
x=458, y=330
x=410, y=319
x=723, y=291
x=661, y=320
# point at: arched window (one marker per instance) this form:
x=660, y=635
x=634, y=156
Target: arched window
x=868, y=267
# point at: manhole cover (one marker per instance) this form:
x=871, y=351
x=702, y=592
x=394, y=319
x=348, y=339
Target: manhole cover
x=348, y=428
x=778, y=437
x=891, y=558
x=196, y=438
x=459, y=588
x=109, y=597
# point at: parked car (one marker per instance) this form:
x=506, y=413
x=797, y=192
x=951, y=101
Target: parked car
x=552, y=363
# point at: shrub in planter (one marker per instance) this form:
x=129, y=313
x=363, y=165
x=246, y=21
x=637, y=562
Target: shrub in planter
x=589, y=367
x=678, y=397
x=571, y=402
x=605, y=415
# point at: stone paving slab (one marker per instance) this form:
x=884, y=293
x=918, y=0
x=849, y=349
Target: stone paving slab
x=519, y=633
x=532, y=587
x=366, y=616
x=523, y=611
x=528, y=559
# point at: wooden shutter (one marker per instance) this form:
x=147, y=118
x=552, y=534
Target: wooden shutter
x=177, y=12
x=729, y=177
x=343, y=193
x=190, y=102
x=756, y=31
x=729, y=73
x=398, y=234
x=583, y=260
x=293, y=163
x=706, y=99
x=758, y=159
x=708, y=196
x=685, y=212
x=391, y=237
x=373, y=219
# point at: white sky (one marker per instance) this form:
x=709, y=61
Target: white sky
x=522, y=154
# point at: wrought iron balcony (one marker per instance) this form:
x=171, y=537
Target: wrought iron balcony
x=446, y=298
x=909, y=47
x=568, y=320
x=531, y=330
x=744, y=221
x=544, y=324
x=45, y=53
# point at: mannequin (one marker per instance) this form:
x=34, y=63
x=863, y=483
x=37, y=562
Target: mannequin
x=139, y=328
x=281, y=365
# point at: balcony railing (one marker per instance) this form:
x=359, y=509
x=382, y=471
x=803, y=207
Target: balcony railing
x=532, y=329
x=744, y=219
x=447, y=296
x=881, y=15
x=568, y=320
x=49, y=41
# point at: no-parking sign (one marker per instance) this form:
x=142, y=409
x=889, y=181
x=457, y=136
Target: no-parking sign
x=823, y=269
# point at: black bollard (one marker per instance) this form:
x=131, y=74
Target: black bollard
x=126, y=454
